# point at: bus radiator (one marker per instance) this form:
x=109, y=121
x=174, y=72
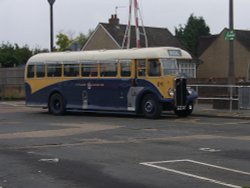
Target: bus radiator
x=181, y=93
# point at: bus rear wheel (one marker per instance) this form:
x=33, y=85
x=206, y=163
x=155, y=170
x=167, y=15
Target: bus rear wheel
x=151, y=107
x=56, y=104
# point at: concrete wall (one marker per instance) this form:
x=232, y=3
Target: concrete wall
x=12, y=83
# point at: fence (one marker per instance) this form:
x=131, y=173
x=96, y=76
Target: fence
x=221, y=96
x=12, y=83
x=224, y=96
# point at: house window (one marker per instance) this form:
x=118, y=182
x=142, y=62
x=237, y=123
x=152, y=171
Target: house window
x=188, y=69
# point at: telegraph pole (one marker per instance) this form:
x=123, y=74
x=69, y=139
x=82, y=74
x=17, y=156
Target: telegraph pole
x=51, y=2
x=231, y=68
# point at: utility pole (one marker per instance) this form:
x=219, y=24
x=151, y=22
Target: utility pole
x=51, y=3
x=231, y=68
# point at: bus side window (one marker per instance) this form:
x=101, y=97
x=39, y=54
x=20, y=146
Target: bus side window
x=54, y=70
x=141, y=67
x=89, y=70
x=125, y=68
x=31, y=71
x=71, y=70
x=154, y=68
x=40, y=70
x=108, y=69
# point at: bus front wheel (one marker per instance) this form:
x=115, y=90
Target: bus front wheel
x=151, y=107
x=56, y=104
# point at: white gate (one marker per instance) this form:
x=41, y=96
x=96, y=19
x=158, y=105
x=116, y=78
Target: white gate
x=244, y=97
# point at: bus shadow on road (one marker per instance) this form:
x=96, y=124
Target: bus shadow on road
x=105, y=114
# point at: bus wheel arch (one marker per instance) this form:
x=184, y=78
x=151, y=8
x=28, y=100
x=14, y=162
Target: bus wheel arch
x=56, y=103
x=150, y=106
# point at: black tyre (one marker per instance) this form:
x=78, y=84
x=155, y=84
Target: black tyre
x=151, y=107
x=186, y=112
x=56, y=104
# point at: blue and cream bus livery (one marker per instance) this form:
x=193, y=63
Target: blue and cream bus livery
x=140, y=81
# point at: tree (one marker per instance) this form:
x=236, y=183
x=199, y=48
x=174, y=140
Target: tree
x=63, y=41
x=13, y=55
x=189, y=35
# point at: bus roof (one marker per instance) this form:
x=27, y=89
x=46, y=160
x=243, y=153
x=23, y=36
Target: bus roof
x=120, y=54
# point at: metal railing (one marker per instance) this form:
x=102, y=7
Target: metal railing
x=236, y=96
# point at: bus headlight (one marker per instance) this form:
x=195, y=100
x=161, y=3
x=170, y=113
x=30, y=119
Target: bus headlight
x=171, y=92
x=190, y=90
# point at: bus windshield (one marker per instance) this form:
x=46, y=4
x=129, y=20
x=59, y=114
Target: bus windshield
x=169, y=67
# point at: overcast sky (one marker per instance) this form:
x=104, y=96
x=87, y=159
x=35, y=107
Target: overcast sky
x=27, y=21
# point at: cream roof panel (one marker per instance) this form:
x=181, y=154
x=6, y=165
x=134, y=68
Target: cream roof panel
x=141, y=53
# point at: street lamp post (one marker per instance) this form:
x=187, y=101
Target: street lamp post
x=231, y=68
x=51, y=2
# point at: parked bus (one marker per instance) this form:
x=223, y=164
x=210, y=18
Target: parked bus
x=142, y=81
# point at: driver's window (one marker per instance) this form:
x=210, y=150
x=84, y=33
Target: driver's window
x=154, y=68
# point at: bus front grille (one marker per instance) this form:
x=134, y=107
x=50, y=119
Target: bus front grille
x=181, y=93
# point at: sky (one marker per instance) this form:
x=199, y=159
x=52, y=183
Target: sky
x=26, y=22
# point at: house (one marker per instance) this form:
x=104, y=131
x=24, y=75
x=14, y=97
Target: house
x=214, y=52
x=110, y=36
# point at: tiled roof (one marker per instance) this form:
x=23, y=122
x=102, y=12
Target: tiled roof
x=244, y=38
x=156, y=36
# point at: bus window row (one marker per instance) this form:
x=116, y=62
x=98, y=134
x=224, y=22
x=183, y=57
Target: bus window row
x=110, y=69
x=151, y=68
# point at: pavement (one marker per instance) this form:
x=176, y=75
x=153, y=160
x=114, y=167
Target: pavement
x=205, y=110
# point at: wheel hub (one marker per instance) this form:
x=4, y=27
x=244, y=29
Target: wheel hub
x=148, y=106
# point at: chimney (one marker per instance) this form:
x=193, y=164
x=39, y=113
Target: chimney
x=114, y=20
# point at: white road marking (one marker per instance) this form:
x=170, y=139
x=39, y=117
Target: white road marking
x=209, y=150
x=154, y=165
x=14, y=104
x=55, y=160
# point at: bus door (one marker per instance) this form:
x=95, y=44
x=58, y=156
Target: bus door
x=154, y=75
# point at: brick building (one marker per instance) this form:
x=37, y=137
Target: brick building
x=214, y=52
x=110, y=36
